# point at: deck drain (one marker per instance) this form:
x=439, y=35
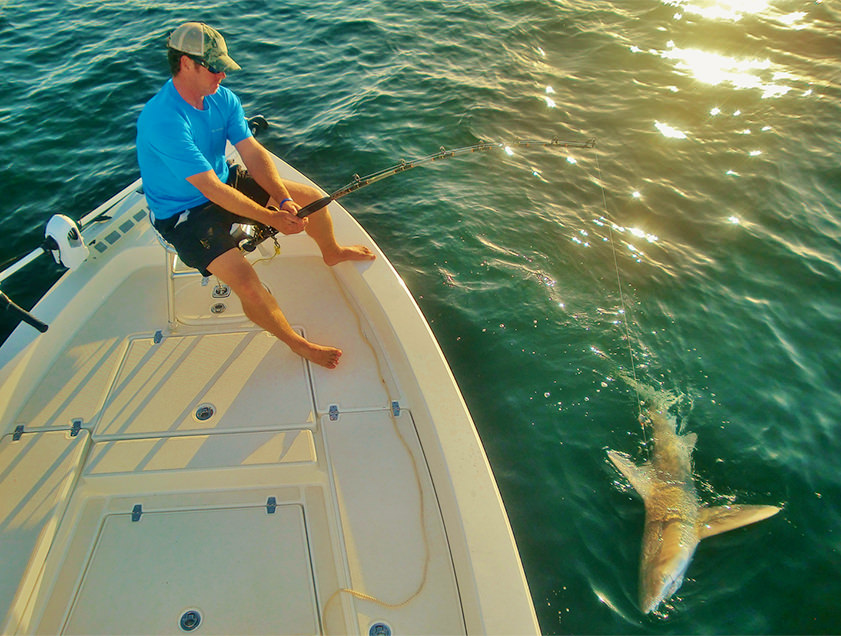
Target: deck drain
x=379, y=629
x=190, y=620
x=218, y=308
x=221, y=291
x=204, y=412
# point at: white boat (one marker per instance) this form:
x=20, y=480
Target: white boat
x=166, y=467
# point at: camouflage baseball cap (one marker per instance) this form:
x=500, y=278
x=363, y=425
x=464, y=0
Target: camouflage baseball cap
x=200, y=40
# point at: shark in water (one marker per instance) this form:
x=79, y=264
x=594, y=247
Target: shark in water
x=675, y=519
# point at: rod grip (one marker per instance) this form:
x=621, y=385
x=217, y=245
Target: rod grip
x=314, y=206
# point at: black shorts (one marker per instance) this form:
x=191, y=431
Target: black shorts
x=203, y=233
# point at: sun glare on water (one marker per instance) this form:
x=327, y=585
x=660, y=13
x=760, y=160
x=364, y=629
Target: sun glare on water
x=718, y=69
x=714, y=69
x=732, y=10
x=669, y=131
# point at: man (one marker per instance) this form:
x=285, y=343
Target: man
x=195, y=197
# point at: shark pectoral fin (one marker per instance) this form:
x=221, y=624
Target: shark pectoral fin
x=639, y=476
x=720, y=519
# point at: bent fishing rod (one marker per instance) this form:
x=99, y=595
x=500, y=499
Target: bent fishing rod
x=263, y=232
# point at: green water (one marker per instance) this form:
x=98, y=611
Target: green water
x=699, y=244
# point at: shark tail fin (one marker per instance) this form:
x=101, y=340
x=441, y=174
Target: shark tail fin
x=639, y=476
x=720, y=519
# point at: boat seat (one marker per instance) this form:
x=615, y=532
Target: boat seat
x=190, y=314
x=37, y=473
x=172, y=271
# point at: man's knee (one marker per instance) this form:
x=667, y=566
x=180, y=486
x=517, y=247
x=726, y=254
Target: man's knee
x=234, y=270
x=250, y=291
x=303, y=193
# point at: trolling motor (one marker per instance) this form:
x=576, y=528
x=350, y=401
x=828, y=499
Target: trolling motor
x=64, y=241
x=262, y=232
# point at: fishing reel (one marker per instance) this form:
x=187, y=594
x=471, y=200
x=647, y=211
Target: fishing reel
x=260, y=232
x=250, y=236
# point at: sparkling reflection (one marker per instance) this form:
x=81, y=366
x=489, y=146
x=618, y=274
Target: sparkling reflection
x=714, y=69
x=792, y=19
x=549, y=101
x=669, y=131
x=730, y=10
x=733, y=10
x=584, y=239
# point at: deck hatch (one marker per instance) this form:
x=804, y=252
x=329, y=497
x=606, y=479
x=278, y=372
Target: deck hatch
x=191, y=384
x=239, y=570
x=38, y=472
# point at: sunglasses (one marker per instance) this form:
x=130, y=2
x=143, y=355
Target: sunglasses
x=213, y=69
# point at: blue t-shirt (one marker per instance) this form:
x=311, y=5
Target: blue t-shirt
x=176, y=141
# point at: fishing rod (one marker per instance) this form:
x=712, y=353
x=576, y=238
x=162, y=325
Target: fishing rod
x=263, y=232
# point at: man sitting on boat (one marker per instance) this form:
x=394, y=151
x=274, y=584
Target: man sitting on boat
x=195, y=197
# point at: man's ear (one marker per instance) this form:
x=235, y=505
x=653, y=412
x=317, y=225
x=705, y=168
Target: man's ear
x=183, y=60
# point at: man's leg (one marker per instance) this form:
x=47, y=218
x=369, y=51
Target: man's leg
x=262, y=309
x=320, y=229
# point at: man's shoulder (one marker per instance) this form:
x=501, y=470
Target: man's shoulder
x=160, y=110
x=224, y=96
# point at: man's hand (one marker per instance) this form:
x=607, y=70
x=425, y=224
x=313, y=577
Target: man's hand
x=285, y=219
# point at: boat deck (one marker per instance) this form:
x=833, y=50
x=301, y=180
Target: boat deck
x=169, y=467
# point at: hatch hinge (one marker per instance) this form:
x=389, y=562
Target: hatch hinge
x=333, y=411
x=18, y=432
x=395, y=408
x=136, y=512
x=271, y=505
x=75, y=426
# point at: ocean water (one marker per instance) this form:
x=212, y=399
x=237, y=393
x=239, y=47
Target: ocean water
x=698, y=246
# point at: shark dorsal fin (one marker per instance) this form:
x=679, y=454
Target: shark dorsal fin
x=640, y=476
x=720, y=519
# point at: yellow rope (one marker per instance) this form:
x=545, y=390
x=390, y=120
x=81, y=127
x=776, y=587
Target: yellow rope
x=421, y=508
x=268, y=258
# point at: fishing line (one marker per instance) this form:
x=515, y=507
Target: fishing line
x=262, y=232
x=611, y=224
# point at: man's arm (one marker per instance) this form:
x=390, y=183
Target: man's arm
x=262, y=169
x=234, y=201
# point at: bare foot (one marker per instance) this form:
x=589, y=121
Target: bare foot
x=323, y=356
x=349, y=253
